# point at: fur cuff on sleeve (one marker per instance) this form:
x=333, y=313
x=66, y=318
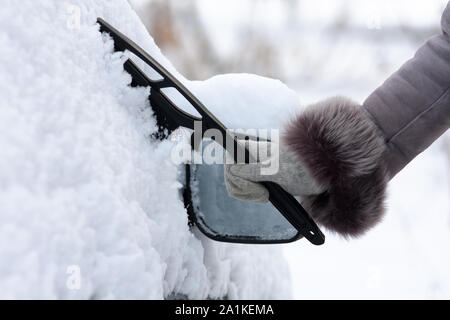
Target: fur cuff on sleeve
x=342, y=149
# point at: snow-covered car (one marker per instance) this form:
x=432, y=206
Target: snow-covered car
x=90, y=206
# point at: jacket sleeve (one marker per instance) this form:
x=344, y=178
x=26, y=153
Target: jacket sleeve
x=412, y=107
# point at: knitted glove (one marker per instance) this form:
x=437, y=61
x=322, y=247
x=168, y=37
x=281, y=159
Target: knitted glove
x=241, y=179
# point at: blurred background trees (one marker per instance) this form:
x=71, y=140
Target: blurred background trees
x=182, y=33
x=305, y=43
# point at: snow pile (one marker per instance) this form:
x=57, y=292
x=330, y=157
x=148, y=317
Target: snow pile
x=252, y=102
x=89, y=206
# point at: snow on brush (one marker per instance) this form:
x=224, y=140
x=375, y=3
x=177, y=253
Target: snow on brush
x=84, y=192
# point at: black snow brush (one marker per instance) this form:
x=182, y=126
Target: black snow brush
x=291, y=222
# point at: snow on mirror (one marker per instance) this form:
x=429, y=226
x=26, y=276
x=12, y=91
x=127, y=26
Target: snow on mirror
x=181, y=102
x=224, y=218
x=151, y=73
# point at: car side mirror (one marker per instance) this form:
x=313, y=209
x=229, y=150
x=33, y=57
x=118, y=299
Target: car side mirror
x=223, y=218
x=258, y=227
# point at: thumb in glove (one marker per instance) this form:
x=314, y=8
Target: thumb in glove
x=242, y=180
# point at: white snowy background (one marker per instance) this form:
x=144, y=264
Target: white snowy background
x=90, y=206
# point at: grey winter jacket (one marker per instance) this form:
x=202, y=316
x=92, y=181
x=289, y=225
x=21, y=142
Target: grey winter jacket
x=412, y=107
x=355, y=150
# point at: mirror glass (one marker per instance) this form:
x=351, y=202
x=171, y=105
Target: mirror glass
x=222, y=217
